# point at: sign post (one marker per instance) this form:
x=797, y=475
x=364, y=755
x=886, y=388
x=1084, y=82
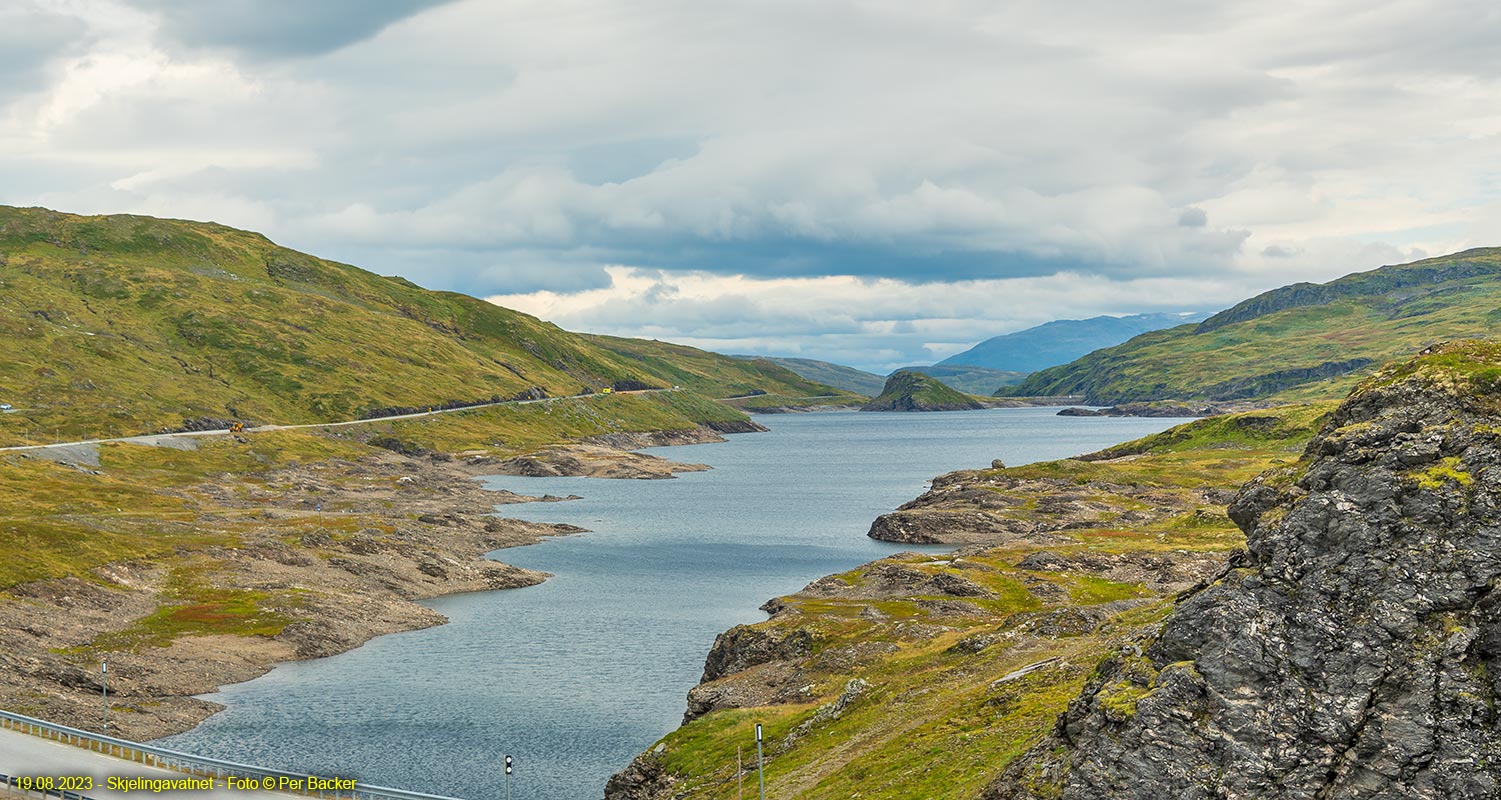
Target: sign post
x=104, y=686
x=508, y=777
x=760, y=765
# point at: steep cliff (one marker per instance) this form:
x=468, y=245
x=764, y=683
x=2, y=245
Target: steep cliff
x=1354, y=649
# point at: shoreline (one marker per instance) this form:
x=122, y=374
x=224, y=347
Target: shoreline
x=1054, y=565
x=406, y=528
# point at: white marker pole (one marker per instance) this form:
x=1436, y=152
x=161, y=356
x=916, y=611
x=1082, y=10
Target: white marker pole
x=104, y=671
x=760, y=765
x=508, y=777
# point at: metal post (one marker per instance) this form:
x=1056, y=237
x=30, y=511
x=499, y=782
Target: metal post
x=508, y=777
x=760, y=764
x=104, y=671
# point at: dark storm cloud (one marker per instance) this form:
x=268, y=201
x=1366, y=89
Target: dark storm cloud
x=1193, y=218
x=278, y=28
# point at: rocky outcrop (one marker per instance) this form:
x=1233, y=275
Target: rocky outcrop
x=1353, y=651
x=1145, y=410
x=736, y=426
x=706, y=433
x=942, y=526
x=996, y=508
x=644, y=779
x=1278, y=380
x=745, y=646
x=609, y=456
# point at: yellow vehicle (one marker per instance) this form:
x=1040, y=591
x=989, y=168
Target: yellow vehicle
x=237, y=427
x=607, y=390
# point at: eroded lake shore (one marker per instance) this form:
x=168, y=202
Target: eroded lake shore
x=323, y=557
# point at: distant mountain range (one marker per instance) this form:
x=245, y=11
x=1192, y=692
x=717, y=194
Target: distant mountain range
x=998, y=361
x=1062, y=341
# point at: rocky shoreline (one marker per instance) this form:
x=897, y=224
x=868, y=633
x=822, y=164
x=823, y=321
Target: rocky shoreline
x=994, y=507
x=862, y=676
x=613, y=455
x=398, y=529
x=1299, y=601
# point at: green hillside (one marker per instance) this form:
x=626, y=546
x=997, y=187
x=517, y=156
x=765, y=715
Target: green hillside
x=714, y=374
x=837, y=375
x=126, y=324
x=914, y=391
x=1304, y=340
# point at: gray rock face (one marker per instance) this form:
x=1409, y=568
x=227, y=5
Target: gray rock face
x=644, y=779
x=1353, y=652
x=745, y=646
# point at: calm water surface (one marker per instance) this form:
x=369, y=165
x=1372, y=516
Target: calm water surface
x=576, y=676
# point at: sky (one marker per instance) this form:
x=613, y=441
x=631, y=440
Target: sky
x=875, y=183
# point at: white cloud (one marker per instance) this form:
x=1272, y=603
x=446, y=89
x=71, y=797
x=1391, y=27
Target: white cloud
x=878, y=324
x=965, y=156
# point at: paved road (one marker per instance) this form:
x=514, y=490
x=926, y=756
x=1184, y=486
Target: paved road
x=25, y=755
x=154, y=438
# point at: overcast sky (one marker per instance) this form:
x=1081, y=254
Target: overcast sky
x=877, y=183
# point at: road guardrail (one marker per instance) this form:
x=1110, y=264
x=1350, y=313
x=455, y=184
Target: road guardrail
x=203, y=766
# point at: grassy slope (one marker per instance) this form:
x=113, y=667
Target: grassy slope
x=56, y=520
x=1379, y=315
x=937, y=721
x=128, y=324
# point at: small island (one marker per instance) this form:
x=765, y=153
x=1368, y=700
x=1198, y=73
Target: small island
x=914, y=391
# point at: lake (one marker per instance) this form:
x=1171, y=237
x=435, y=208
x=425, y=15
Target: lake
x=576, y=676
